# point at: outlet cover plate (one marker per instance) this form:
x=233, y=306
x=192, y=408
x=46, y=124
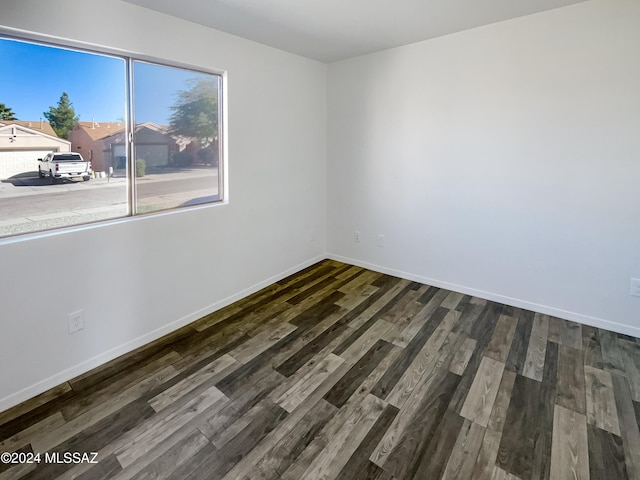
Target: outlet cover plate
x=76, y=321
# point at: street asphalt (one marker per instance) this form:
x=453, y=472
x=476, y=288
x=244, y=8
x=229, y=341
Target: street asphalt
x=30, y=204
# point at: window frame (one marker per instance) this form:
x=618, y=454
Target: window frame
x=129, y=58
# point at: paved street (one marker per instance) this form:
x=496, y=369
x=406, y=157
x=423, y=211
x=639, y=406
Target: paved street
x=29, y=203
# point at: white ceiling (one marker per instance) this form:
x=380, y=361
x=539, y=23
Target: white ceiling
x=329, y=30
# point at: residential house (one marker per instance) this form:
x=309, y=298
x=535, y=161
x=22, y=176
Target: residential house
x=88, y=139
x=103, y=144
x=23, y=142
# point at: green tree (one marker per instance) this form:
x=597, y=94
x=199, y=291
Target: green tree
x=63, y=117
x=195, y=113
x=6, y=113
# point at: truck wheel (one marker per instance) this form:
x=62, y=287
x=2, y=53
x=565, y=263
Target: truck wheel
x=86, y=179
x=53, y=179
x=40, y=174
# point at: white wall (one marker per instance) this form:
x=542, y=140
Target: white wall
x=165, y=271
x=502, y=161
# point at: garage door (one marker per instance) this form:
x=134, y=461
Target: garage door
x=19, y=162
x=153, y=155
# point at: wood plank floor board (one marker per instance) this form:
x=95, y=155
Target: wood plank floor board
x=571, y=334
x=463, y=303
x=107, y=468
x=482, y=394
x=436, y=454
x=629, y=429
x=501, y=404
x=178, y=455
x=452, y=300
x=500, y=344
x=245, y=467
x=357, y=282
x=372, y=472
x=90, y=398
x=591, y=347
x=244, y=400
x=151, y=437
x=631, y=358
x=359, y=461
x=569, y=455
x=317, y=287
x=339, y=372
x=303, y=355
x=383, y=296
x=308, y=317
x=429, y=294
x=571, y=383
x=341, y=392
x=611, y=354
x=381, y=330
x=534, y=361
x=520, y=431
x=285, y=451
x=465, y=452
x=541, y=463
x=520, y=345
x=468, y=317
x=215, y=466
x=382, y=312
x=486, y=462
x=403, y=311
x=601, y=403
x=32, y=432
x=205, y=348
x=93, y=438
x=357, y=296
x=333, y=458
x=199, y=379
x=461, y=354
x=121, y=366
x=482, y=329
x=430, y=359
x=606, y=454
x=48, y=439
x=423, y=315
x=405, y=359
x=34, y=410
x=401, y=449
x=295, y=395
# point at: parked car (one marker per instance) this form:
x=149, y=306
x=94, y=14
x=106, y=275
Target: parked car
x=64, y=165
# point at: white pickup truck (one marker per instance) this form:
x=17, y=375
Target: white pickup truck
x=64, y=165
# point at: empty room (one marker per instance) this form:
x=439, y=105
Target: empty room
x=320, y=240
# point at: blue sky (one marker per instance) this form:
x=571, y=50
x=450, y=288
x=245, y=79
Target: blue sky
x=34, y=76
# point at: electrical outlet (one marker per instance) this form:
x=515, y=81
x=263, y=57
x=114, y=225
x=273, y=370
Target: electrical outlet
x=76, y=321
x=381, y=240
x=356, y=236
x=635, y=287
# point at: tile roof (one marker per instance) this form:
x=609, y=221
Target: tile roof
x=98, y=130
x=37, y=125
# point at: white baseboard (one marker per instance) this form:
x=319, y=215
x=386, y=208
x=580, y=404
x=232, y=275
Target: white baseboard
x=66, y=375
x=514, y=302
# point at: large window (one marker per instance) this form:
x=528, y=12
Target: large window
x=145, y=137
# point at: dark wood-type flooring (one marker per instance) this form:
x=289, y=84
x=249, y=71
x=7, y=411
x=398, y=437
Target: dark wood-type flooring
x=339, y=372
